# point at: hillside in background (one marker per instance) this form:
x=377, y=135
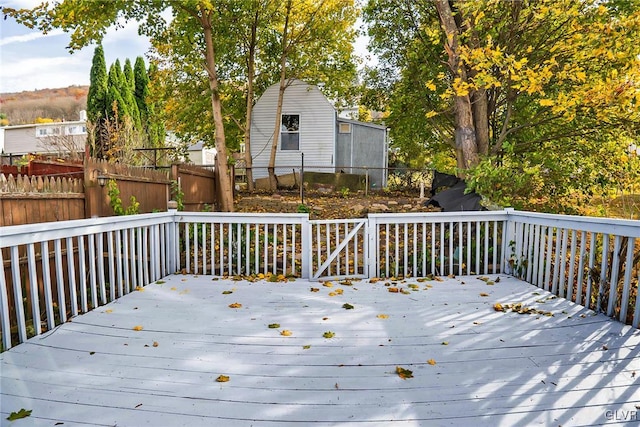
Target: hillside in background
x=57, y=104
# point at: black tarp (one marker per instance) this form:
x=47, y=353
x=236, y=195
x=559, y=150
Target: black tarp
x=453, y=199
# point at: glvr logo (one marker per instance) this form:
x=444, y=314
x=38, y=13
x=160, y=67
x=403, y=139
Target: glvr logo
x=621, y=415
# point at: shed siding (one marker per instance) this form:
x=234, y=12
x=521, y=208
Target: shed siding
x=317, y=130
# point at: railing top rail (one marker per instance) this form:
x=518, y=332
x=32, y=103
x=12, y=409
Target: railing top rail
x=338, y=221
x=242, y=217
x=430, y=217
x=621, y=227
x=33, y=233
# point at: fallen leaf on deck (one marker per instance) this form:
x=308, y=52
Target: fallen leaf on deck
x=498, y=307
x=222, y=379
x=235, y=305
x=108, y=311
x=382, y=316
x=306, y=347
x=314, y=289
x=347, y=306
x=413, y=286
x=155, y=343
x=139, y=288
x=286, y=333
x=327, y=284
x=339, y=291
x=328, y=334
x=22, y=413
x=394, y=290
x=137, y=328
x=404, y=373
x=404, y=291
x=227, y=292
x=374, y=280
x=332, y=294
x=274, y=325
x=431, y=362
x=173, y=288
x=445, y=342
x=484, y=294
x=160, y=282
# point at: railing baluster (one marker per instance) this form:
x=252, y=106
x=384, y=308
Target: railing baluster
x=71, y=272
x=118, y=254
x=17, y=294
x=583, y=243
x=126, y=262
x=5, y=323
x=613, y=288
x=46, y=282
x=572, y=256
x=93, y=282
x=624, y=302
x=62, y=304
x=33, y=285
x=603, y=271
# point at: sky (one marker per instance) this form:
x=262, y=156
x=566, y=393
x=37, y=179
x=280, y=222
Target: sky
x=30, y=60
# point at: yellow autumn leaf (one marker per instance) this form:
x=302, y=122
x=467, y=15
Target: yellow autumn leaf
x=235, y=305
x=498, y=307
x=108, y=311
x=286, y=333
x=430, y=85
x=222, y=379
x=431, y=362
x=484, y=294
x=382, y=316
x=327, y=284
x=137, y=328
x=328, y=334
x=404, y=373
x=546, y=102
x=332, y=294
x=139, y=288
x=339, y=291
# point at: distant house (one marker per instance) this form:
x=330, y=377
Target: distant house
x=45, y=138
x=310, y=124
x=201, y=155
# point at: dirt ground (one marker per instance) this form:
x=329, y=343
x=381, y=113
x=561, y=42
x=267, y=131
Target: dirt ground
x=333, y=205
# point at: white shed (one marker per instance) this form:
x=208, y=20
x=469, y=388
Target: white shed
x=308, y=126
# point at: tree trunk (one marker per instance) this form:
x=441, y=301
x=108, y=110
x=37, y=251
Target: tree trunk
x=224, y=180
x=248, y=161
x=273, y=182
x=465, y=139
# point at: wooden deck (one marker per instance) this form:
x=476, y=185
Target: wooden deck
x=491, y=368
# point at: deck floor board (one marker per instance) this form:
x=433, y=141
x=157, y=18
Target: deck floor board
x=491, y=368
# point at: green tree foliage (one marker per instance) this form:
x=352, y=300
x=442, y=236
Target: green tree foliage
x=97, y=108
x=534, y=99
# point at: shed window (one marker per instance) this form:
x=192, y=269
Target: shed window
x=290, y=132
x=345, y=128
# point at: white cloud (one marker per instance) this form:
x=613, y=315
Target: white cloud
x=28, y=37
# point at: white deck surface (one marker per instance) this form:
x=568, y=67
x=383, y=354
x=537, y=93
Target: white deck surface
x=574, y=368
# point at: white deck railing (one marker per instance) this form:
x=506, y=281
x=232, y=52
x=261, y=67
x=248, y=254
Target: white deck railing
x=55, y=270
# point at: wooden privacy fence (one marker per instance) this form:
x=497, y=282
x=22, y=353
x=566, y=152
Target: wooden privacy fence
x=25, y=199
x=57, y=270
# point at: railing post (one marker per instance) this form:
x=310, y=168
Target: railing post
x=172, y=246
x=306, y=254
x=371, y=249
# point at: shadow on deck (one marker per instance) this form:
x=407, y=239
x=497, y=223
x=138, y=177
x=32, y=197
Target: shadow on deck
x=471, y=365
